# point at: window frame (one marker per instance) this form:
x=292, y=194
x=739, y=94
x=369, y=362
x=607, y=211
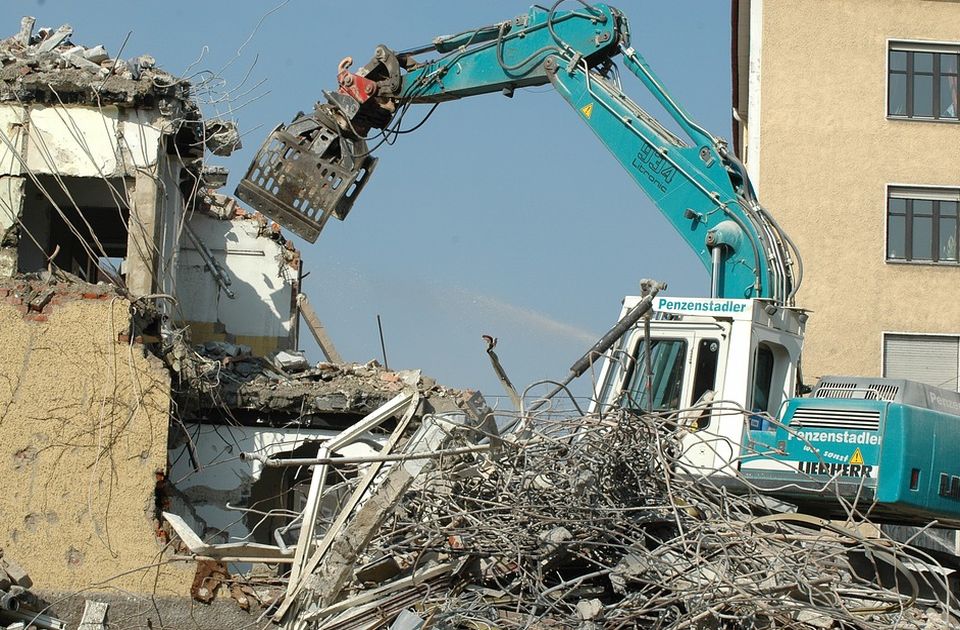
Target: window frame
x=935, y=193
x=921, y=46
x=636, y=365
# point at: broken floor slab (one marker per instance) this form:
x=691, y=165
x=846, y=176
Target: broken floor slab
x=46, y=67
x=327, y=395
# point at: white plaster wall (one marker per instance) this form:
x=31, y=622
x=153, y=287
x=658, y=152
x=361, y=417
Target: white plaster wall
x=11, y=152
x=89, y=142
x=171, y=220
x=224, y=477
x=11, y=146
x=261, y=281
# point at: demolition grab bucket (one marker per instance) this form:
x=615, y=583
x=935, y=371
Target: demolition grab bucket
x=305, y=173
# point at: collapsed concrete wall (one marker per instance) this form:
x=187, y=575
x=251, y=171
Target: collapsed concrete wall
x=83, y=437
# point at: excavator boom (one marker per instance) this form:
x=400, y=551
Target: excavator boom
x=731, y=362
x=316, y=166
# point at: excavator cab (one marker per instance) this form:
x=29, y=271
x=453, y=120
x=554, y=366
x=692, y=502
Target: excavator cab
x=720, y=368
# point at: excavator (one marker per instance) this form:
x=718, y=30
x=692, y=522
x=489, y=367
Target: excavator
x=884, y=445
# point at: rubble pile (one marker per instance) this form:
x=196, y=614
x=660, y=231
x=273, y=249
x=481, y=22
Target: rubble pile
x=19, y=607
x=591, y=522
x=45, y=66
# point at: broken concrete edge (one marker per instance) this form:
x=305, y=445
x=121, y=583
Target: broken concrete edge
x=226, y=375
x=37, y=295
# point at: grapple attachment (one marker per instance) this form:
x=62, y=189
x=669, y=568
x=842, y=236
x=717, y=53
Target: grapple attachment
x=307, y=171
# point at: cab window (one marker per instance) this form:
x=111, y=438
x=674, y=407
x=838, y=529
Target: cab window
x=705, y=368
x=704, y=378
x=667, y=361
x=763, y=366
x=762, y=379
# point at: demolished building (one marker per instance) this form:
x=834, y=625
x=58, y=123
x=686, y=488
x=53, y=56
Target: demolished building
x=149, y=329
x=163, y=439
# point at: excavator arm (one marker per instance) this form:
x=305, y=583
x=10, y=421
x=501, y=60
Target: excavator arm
x=316, y=166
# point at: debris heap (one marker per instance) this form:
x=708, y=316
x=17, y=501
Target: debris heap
x=45, y=66
x=19, y=607
x=592, y=522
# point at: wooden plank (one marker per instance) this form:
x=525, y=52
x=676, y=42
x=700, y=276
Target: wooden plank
x=375, y=594
x=318, y=330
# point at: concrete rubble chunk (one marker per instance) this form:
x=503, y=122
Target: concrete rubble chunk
x=589, y=608
x=215, y=177
x=97, y=54
x=94, y=616
x=25, y=35
x=138, y=65
x=408, y=620
x=15, y=572
x=55, y=38
x=77, y=58
x=222, y=137
x=290, y=361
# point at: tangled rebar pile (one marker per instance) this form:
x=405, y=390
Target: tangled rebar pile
x=591, y=522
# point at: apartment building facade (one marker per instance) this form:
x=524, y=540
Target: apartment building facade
x=846, y=114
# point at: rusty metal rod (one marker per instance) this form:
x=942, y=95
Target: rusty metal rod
x=371, y=459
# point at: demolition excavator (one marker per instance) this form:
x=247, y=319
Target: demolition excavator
x=728, y=365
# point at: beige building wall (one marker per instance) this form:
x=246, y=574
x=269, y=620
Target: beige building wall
x=83, y=434
x=827, y=152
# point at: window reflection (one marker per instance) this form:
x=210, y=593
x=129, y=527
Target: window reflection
x=923, y=84
x=667, y=360
x=923, y=229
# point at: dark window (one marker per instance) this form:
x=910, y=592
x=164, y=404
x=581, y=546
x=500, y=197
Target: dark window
x=705, y=377
x=922, y=225
x=705, y=372
x=763, y=365
x=762, y=380
x=923, y=84
x=667, y=359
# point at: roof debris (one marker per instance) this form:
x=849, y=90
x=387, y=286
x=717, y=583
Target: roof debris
x=48, y=67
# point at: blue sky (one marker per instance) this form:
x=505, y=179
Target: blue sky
x=500, y=216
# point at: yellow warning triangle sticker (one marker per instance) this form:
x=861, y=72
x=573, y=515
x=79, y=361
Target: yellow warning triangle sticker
x=857, y=458
x=588, y=110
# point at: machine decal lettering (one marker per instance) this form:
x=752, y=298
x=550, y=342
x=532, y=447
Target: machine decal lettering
x=841, y=437
x=654, y=167
x=842, y=470
x=700, y=306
